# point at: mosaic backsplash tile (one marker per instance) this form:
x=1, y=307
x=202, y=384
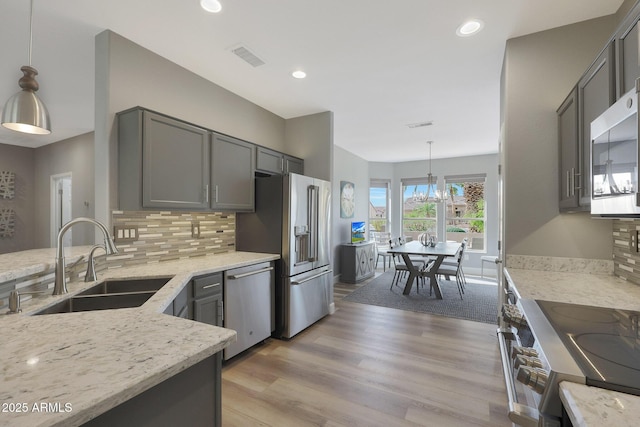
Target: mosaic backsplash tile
x=161, y=236
x=626, y=258
x=164, y=235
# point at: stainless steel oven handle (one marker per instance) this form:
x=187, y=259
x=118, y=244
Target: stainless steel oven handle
x=300, y=282
x=522, y=415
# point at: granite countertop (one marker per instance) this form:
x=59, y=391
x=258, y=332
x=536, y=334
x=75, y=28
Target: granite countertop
x=602, y=290
x=592, y=406
x=89, y=362
x=586, y=406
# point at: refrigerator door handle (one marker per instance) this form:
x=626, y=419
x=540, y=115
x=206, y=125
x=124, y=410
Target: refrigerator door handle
x=312, y=219
x=299, y=282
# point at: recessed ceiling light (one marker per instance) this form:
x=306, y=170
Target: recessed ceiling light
x=470, y=28
x=212, y=6
x=299, y=74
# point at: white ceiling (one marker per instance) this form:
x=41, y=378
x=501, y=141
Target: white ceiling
x=378, y=65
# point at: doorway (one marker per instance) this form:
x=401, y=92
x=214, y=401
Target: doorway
x=60, y=207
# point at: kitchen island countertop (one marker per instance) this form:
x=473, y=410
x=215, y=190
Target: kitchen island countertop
x=79, y=365
x=587, y=406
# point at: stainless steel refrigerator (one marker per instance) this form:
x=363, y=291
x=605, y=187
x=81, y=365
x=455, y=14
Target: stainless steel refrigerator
x=292, y=218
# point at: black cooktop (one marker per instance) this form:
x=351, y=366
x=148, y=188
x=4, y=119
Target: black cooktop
x=604, y=342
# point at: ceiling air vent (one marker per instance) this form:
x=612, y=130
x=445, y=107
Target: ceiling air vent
x=419, y=125
x=246, y=55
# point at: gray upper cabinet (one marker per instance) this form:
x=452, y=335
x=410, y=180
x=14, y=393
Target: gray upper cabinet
x=596, y=92
x=628, y=68
x=569, y=165
x=275, y=163
x=232, y=174
x=163, y=162
x=293, y=165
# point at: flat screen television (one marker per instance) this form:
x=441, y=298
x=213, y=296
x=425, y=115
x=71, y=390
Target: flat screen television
x=358, y=231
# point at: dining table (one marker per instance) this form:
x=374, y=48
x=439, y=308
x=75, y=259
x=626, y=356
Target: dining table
x=438, y=253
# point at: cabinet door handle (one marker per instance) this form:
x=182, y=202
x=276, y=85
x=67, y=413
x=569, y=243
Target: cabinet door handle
x=575, y=174
x=250, y=273
x=206, y=193
x=568, y=184
x=573, y=181
x=211, y=285
x=216, y=188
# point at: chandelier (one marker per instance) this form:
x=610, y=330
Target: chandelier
x=434, y=195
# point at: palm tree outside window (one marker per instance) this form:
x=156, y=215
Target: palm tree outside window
x=465, y=210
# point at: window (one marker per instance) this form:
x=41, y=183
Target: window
x=418, y=215
x=465, y=210
x=379, y=205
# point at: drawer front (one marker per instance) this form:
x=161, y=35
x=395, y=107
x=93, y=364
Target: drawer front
x=207, y=285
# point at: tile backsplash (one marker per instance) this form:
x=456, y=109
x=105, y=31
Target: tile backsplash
x=161, y=236
x=626, y=257
x=164, y=235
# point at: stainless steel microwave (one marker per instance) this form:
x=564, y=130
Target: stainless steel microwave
x=614, y=159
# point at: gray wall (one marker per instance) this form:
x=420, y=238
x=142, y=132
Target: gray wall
x=348, y=167
x=34, y=168
x=19, y=160
x=539, y=71
x=311, y=138
x=487, y=164
x=74, y=155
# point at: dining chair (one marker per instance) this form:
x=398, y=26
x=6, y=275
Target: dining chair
x=381, y=239
x=454, y=270
x=419, y=261
x=400, y=268
x=454, y=262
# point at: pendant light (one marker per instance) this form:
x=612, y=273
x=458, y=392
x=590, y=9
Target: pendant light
x=24, y=111
x=438, y=196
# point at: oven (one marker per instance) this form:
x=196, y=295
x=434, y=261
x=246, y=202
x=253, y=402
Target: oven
x=545, y=342
x=614, y=159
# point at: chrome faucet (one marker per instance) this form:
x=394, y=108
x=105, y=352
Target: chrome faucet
x=60, y=286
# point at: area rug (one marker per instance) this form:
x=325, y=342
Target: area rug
x=479, y=303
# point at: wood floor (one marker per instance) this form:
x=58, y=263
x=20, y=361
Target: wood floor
x=370, y=366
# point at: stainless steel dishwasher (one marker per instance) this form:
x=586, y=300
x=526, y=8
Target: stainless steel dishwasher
x=249, y=305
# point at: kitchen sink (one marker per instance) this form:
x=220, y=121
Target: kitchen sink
x=98, y=302
x=109, y=295
x=118, y=286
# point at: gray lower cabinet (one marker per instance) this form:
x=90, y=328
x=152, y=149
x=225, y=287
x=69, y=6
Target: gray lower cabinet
x=207, y=299
x=275, y=163
x=357, y=262
x=163, y=163
x=180, y=305
x=189, y=398
x=232, y=174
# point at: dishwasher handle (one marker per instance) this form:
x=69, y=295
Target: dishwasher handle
x=250, y=273
x=300, y=282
